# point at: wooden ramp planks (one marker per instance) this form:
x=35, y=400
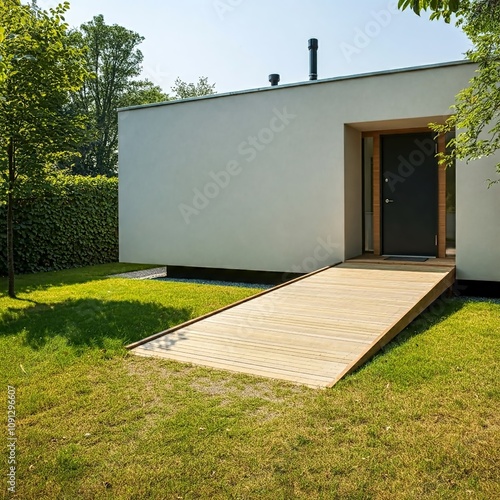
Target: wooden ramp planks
x=313, y=331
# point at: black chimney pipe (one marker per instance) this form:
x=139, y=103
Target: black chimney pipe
x=313, y=59
x=274, y=79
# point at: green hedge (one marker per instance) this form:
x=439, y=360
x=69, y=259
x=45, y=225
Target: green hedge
x=71, y=222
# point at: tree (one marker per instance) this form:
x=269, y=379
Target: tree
x=183, y=90
x=40, y=68
x=477, y=108
x=114, y=60
x=142, y=92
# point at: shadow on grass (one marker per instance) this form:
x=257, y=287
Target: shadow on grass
x=436, y=313
x=439, y=312
x=90, y=322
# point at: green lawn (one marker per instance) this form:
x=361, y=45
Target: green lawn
x=419, y=421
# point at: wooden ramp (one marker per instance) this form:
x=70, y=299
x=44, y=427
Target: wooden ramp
x=314, y=330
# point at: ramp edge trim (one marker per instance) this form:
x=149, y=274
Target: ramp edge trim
x=394, y=330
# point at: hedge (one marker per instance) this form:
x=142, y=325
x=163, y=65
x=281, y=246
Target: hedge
x=71, y=222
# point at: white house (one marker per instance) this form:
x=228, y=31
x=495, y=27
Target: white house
x=295, y=177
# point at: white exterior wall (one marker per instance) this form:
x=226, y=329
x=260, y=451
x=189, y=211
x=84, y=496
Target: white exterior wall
x=478, y=221
x=291, y=203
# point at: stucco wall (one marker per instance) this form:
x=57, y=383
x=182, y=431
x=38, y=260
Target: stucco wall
x=478, y=221
x=235, y=182
x=257, y=180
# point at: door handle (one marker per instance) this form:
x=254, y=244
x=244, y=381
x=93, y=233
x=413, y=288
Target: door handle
x=387, y=200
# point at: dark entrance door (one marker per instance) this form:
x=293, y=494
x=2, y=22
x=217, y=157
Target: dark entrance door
x=409, y=194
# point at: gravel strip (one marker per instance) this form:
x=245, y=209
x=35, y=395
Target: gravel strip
x=216, y=283
x=160, y=274
x=146, y=274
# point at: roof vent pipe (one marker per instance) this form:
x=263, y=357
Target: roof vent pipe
x=274, y=79
x=313, y=59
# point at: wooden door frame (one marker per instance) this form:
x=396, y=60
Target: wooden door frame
x=377, y=188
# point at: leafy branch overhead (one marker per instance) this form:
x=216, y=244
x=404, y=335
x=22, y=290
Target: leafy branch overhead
x=476, y=115
x=439, y=8
x=445, y=9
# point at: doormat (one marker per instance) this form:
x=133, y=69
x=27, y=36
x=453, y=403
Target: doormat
x=408, y=259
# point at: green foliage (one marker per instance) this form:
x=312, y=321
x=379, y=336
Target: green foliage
x=3, y=66
x=40, y=67
x=439, y=8
x=184, y=90
x=71, y=222
x=477, y=108
x=114, y=63
x=445, y=9
x=142, y=92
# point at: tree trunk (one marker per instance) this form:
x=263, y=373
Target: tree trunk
x=10, y=219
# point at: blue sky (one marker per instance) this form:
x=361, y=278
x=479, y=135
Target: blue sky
x=238, y=43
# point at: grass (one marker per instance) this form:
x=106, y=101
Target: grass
x=419, y=421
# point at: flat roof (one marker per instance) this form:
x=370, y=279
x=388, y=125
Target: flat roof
x=300, y=84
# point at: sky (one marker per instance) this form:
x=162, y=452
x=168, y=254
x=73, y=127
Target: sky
x=236, y=44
